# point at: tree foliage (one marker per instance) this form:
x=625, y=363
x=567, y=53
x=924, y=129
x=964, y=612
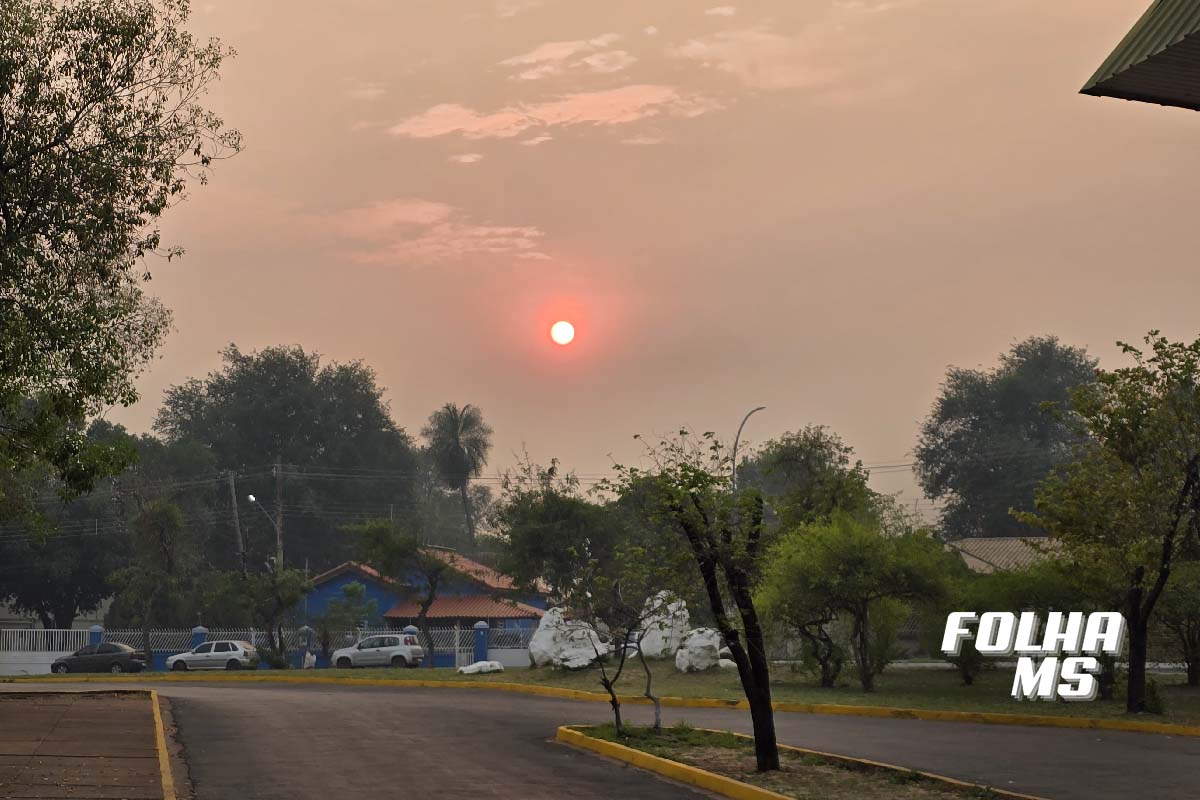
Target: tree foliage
x=458, y=441
x=328, y=424
x=1128, y=506
x=806, y=476
x=101, y=129
x=989, y=439
x=848, y=567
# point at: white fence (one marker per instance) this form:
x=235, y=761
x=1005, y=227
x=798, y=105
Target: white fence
x=26, y=651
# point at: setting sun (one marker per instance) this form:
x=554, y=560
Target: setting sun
x=562, y=332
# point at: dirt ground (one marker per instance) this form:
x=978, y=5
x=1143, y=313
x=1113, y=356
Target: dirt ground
x=78, y=745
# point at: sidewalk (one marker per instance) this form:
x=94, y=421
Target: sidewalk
x=86, y=745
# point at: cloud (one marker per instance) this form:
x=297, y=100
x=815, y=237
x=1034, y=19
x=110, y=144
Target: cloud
x=536, y=140
x=554, y=58
x=408, y=230
x=617, y=106
x=643, y=141
x=367, y=91
x=650, y=30
x=760, y=59
x=467, y=158
x=609, y=61
x=721, y=11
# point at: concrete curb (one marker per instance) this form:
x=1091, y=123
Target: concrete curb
x=160, y=744
x=693, y=776
x=978, y=717
x=728, y=787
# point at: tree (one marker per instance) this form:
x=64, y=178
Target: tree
x=160, y=564
x=615, y=576
x=398, y=551
x=552, y=535
x=989, y=439
x=101, y=130
x=687, y=491
x=1130, y=501
x=345, y=613
x=342, y=454
x=806, y=476
x=850, y=567
x=272, y=595
x=1179, y=614
x=459, y=441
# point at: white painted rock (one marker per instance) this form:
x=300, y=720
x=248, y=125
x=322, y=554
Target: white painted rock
x=665, y=627
x=725, y=663
x=558, y=642
x=481, y=668
x=700, y=650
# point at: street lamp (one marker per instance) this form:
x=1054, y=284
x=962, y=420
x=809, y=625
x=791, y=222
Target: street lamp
x=278, y=533
x=733, y=469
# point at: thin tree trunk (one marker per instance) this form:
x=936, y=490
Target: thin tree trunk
x=1135, y=691
x=466, y=503
x=648, y=693
x=862, y=651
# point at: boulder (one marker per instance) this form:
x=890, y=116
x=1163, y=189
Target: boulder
x=700, y=650
x=559, y=642
x=481, y=668
x=725, y=663
x=665, y=627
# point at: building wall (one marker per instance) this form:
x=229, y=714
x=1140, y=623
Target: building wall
x=384, y=596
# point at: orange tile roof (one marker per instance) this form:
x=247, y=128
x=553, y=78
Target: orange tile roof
x=354, y=566
x=475, y=607
x=493, y=579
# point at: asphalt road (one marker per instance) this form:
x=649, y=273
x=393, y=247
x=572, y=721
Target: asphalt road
x=299, y=742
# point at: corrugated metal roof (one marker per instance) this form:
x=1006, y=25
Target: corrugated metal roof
x=1158, y=61
x=988, y=554
x=474, y=607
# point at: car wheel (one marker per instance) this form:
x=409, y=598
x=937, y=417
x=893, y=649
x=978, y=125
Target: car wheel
x=179, y=666
x=399, y=662
x=61, y=669
x=233, y=663
x=116, y=668
x=344, y=663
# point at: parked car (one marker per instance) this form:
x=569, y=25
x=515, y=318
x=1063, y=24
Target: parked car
x=105, y=657
x=216, y=655
x=401, y=650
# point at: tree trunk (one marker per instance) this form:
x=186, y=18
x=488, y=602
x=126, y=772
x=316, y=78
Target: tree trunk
x=1193, y=671
x=466, y=503
x=862, y=651
x=1135, y=688
x=648, y=693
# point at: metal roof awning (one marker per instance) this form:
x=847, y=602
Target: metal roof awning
x=1158, y=61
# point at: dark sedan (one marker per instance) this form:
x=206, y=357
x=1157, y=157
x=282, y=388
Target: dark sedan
x=106, y=657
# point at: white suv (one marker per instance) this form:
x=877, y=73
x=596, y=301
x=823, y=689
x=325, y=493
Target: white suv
x=216, y=655
x=400, y=650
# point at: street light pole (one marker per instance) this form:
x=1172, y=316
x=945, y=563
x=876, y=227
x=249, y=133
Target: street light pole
x=733, y=469
x=278, y=532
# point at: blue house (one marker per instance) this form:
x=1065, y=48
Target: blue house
x=470, y=593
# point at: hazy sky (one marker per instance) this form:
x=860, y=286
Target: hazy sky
x=811, y=205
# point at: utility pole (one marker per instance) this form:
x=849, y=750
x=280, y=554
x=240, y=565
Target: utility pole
x=279, y=512
x=237, y=524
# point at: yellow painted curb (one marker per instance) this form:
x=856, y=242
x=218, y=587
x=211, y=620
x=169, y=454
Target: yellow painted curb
x=160, y=744
x=979, y=717
x=683, y=773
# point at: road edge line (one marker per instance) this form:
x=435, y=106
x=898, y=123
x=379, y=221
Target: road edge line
x=936, y=715
x=160, y=744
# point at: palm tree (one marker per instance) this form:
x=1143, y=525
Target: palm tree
x=458, y=441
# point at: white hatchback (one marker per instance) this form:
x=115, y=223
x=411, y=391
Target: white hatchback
x=216, y=655
x=401, y=650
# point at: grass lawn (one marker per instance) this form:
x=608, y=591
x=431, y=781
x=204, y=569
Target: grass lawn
x=800, y=775
x=898, y=688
